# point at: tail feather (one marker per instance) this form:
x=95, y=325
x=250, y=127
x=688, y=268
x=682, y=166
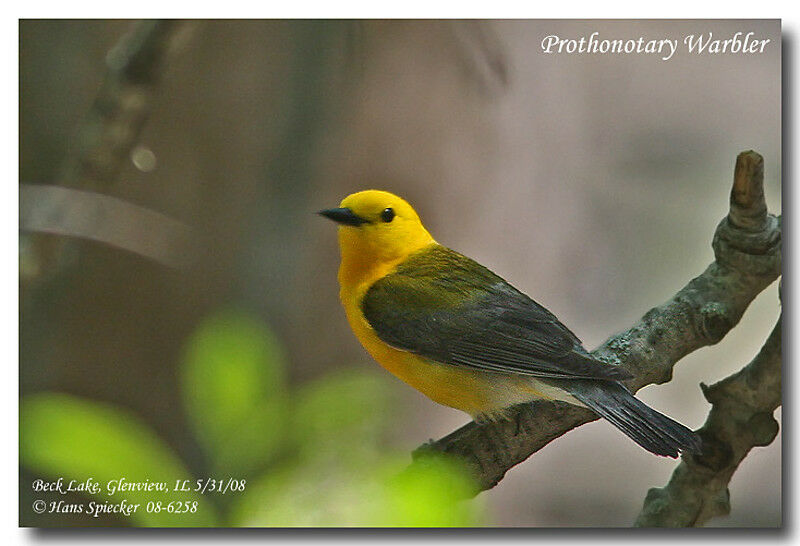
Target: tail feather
x=650, y=429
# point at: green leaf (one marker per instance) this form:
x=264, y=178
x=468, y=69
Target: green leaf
x=432, y=492
x=342, y=475
x=233, y=385
x=383, y=492
x=342, y=414
x=65, y=436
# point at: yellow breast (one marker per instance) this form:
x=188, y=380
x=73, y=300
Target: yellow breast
x=448, y=385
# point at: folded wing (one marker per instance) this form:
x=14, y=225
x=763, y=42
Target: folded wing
x=446, y=307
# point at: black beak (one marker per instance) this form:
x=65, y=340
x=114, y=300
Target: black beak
x=343, y=216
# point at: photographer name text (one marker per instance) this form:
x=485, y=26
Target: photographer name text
x=151, y=496
x=742, y=43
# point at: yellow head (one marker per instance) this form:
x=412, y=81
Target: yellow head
x=377, y=229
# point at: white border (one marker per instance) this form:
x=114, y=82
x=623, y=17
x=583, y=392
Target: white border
x=236, y=9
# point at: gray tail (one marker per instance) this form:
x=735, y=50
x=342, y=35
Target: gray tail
x=652, y=430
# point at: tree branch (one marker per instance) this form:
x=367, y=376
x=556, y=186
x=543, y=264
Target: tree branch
x=113, y=124
x=747, y=248
x=105, y=219
x=740, y=419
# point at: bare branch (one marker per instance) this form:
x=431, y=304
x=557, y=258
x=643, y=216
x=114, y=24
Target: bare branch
x=740, y=419
x=112, y=127
x=747, y=261
x=105, y=219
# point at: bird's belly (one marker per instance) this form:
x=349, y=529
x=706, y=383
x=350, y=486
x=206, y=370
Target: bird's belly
x=472, y=391
x=448, y=385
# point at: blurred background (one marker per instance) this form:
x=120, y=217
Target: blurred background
x=593, y=183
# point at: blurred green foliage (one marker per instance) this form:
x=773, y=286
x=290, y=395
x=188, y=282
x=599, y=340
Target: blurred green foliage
x=234, y=390
x=62, y=435
x=312, y=457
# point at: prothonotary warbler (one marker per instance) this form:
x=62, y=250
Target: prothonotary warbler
x=465, y=337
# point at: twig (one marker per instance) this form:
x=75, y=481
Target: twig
x=105, y=219
x=740, y=419
x=748, y=259
x=112, y=127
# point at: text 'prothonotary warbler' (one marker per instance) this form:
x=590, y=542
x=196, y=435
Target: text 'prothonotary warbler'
x=465, y=337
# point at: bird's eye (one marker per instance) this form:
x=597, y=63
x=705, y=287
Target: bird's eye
x=387, y=215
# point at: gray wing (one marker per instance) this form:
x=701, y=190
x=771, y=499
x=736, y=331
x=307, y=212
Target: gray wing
x=446, y=307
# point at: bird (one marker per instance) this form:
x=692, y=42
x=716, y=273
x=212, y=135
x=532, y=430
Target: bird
x=466, y=338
